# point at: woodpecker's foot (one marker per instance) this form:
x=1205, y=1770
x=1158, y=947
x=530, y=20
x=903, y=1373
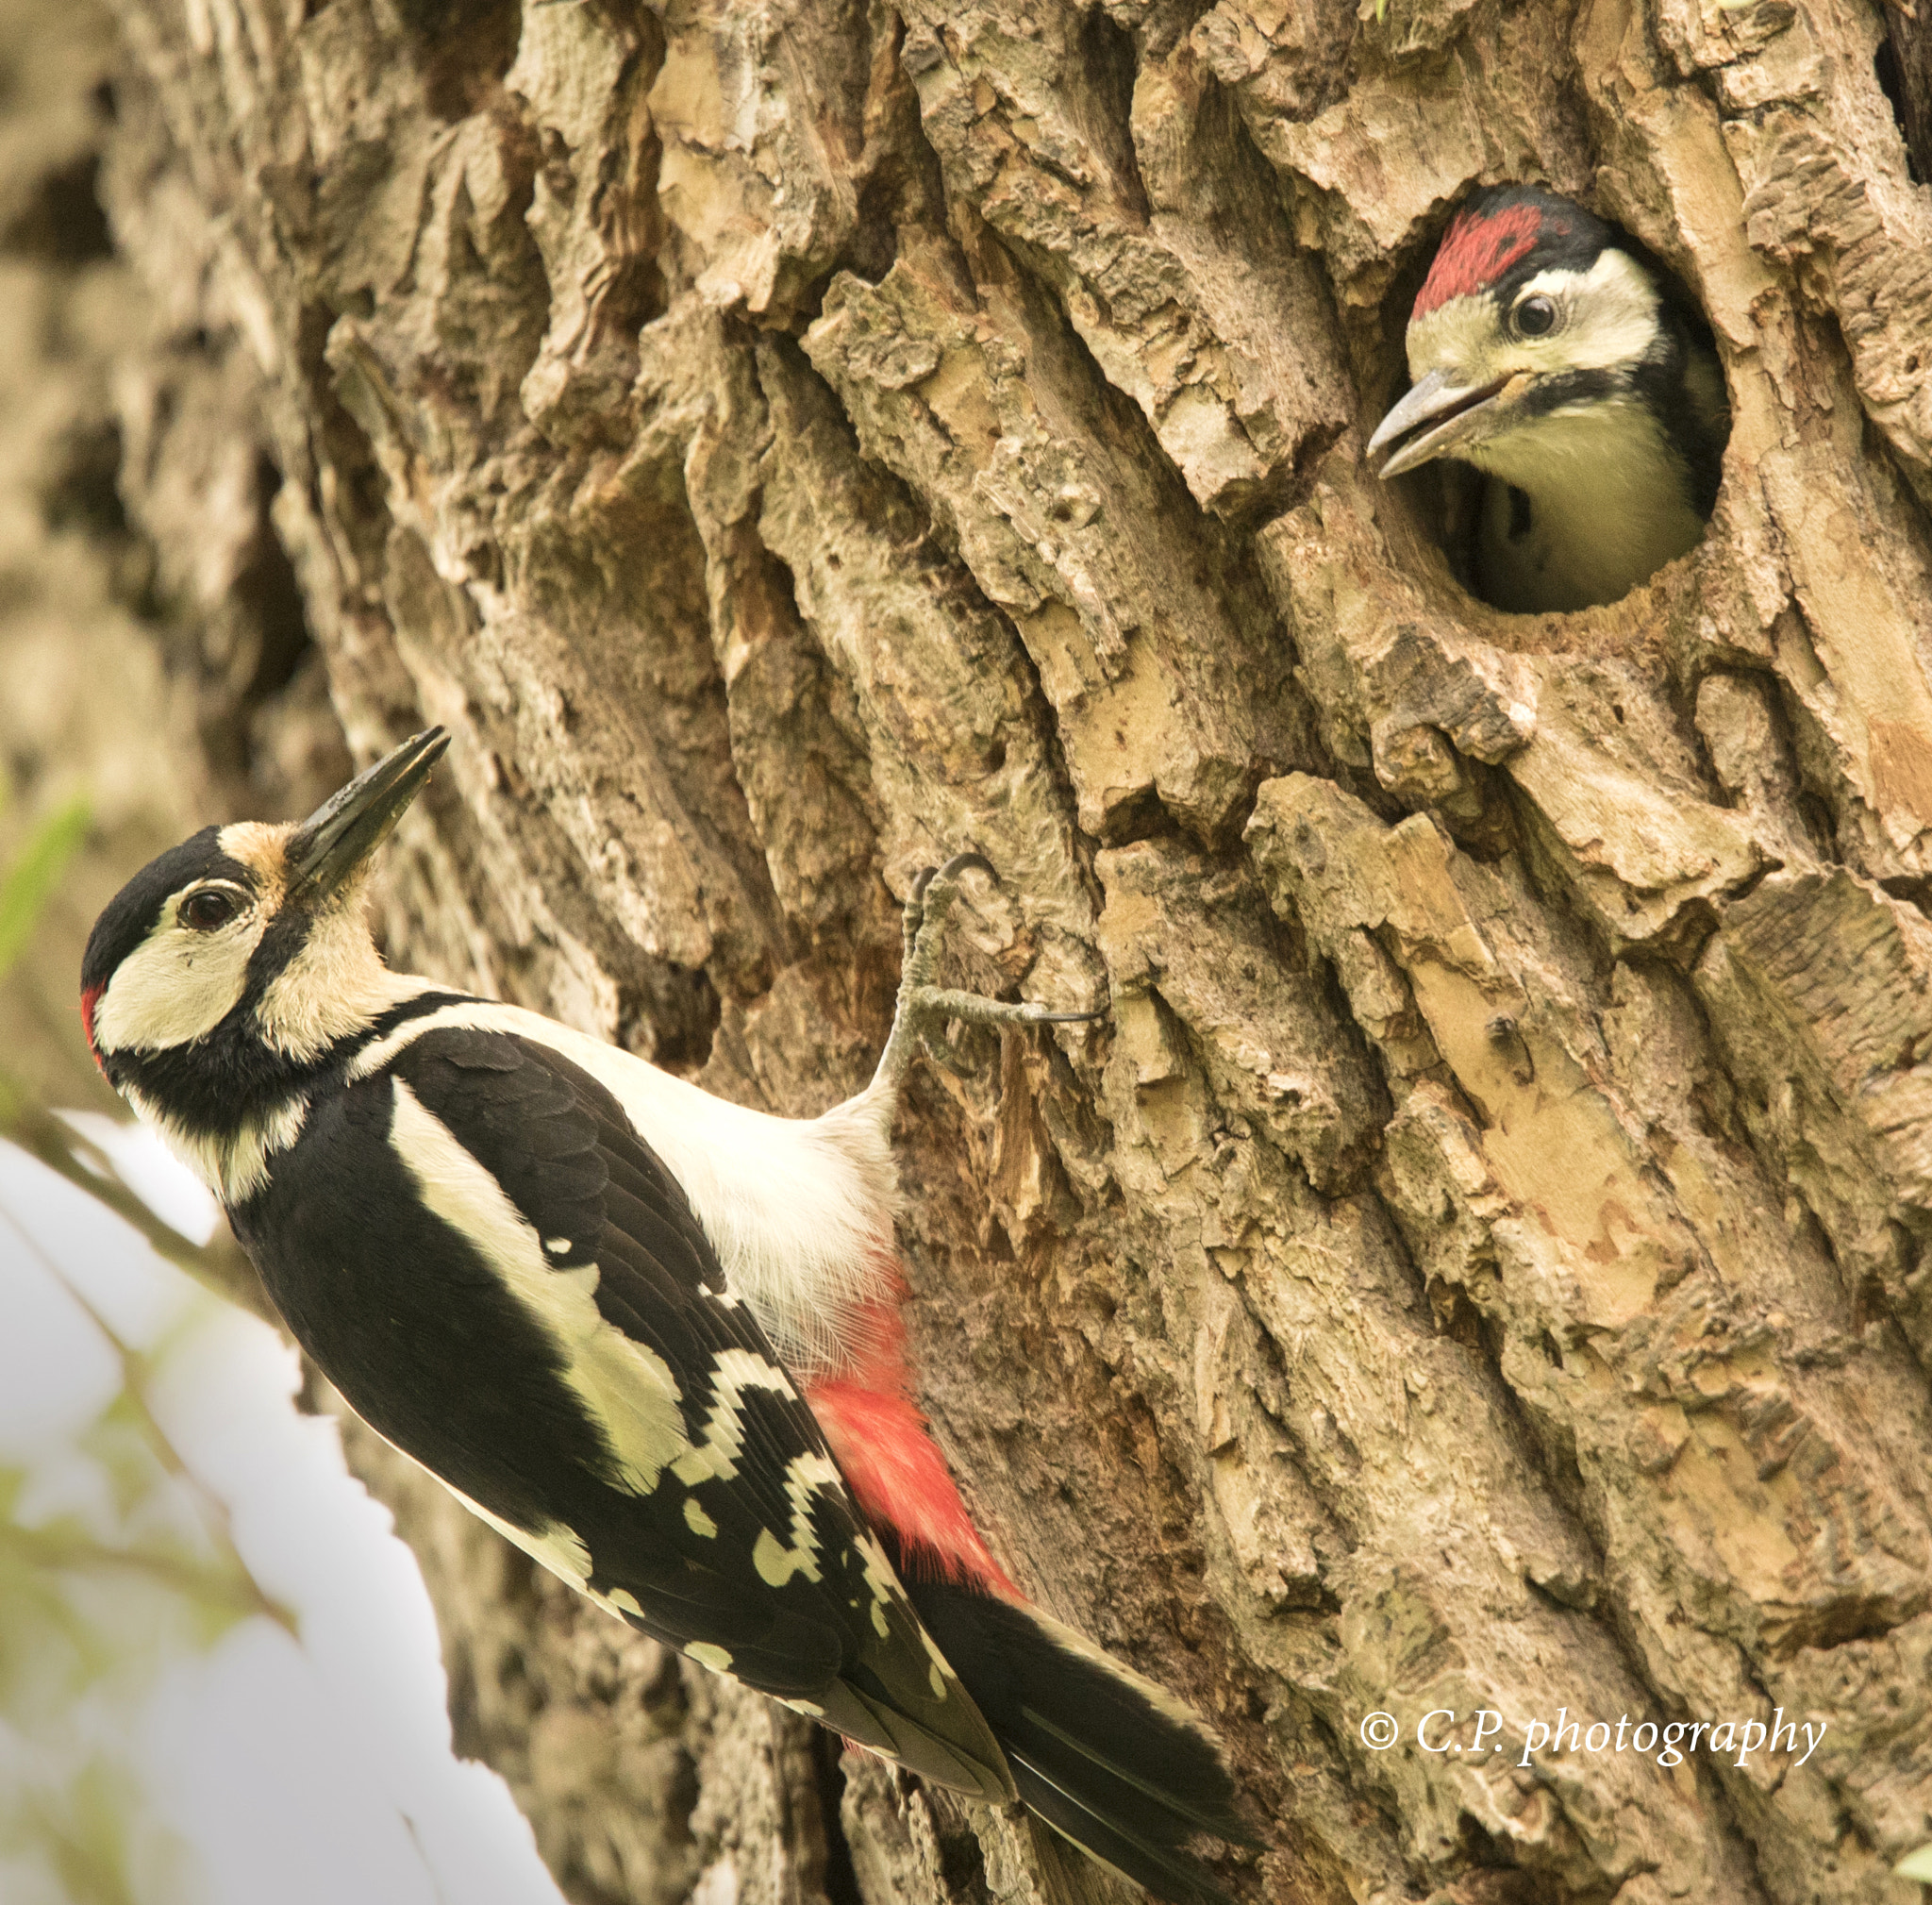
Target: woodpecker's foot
x=923, y=1008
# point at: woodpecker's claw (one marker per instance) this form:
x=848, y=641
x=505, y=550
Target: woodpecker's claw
x=960, y=862
x=923, y=1007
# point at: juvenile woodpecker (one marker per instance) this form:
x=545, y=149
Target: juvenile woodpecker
x=651, y=1337
x=1550, y=353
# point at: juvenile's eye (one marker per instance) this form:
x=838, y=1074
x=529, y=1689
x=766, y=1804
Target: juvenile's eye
x=1535, y=317
x=211, y=908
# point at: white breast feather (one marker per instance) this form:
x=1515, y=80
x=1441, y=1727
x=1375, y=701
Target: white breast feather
x=1607, y=503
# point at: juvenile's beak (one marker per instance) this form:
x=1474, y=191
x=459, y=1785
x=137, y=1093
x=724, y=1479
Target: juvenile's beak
x=1444, y=413
x=338, y=838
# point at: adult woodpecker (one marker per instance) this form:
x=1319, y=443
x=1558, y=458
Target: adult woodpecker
x=651, y=1336
x=1547, y=350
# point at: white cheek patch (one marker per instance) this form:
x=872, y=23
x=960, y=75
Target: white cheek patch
x=176, y=988
x=1612, y=315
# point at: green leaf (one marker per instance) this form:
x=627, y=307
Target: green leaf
x=49, y=1651
x=29, y=882
x=90, y=1843
x=1916, y=1865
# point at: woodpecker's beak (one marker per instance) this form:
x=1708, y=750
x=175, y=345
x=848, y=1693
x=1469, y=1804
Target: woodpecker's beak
x=1447, y=415
x=337, y=840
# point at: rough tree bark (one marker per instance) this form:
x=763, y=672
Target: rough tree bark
x=1482, y=1264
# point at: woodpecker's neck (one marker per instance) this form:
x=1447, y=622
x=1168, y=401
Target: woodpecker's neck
x=226, y=1102
x=1605, y=500
x=1612, y=472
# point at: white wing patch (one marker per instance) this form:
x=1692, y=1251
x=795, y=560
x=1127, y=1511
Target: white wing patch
x=554, y=1546
x=733, y=1370
x=775, y=1562
x=886, y=1590
x=627, y=1388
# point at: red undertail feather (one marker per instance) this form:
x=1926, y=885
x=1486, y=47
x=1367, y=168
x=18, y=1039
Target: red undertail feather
x=1477, y=249
x=894, y=1468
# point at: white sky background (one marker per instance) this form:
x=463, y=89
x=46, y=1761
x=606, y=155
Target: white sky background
x=299, y=1773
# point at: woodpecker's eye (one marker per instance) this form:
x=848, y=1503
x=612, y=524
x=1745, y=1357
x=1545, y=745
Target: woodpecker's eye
x=213, y=907
x=1535, y=317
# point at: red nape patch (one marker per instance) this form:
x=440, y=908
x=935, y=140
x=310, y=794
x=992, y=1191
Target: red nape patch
x=88, y=999
x=1477, y=249
x=899, y=1477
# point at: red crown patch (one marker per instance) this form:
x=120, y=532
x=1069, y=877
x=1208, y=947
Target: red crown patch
x=1477, y=249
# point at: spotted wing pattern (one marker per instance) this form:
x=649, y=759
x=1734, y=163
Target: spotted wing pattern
x=558, y=1343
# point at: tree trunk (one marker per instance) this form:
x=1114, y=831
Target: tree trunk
x=1480, y=1265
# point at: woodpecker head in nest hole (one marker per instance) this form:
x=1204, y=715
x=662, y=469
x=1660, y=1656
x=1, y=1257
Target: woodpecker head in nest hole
x=231, y=963
x=1548, y=351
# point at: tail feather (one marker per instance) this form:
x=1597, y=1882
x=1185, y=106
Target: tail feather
x=1126, y=1791
x=1164, y=1869
x=1105, y=1757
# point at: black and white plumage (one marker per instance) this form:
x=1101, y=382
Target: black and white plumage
x=651, y=1336
x=1551, y=353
